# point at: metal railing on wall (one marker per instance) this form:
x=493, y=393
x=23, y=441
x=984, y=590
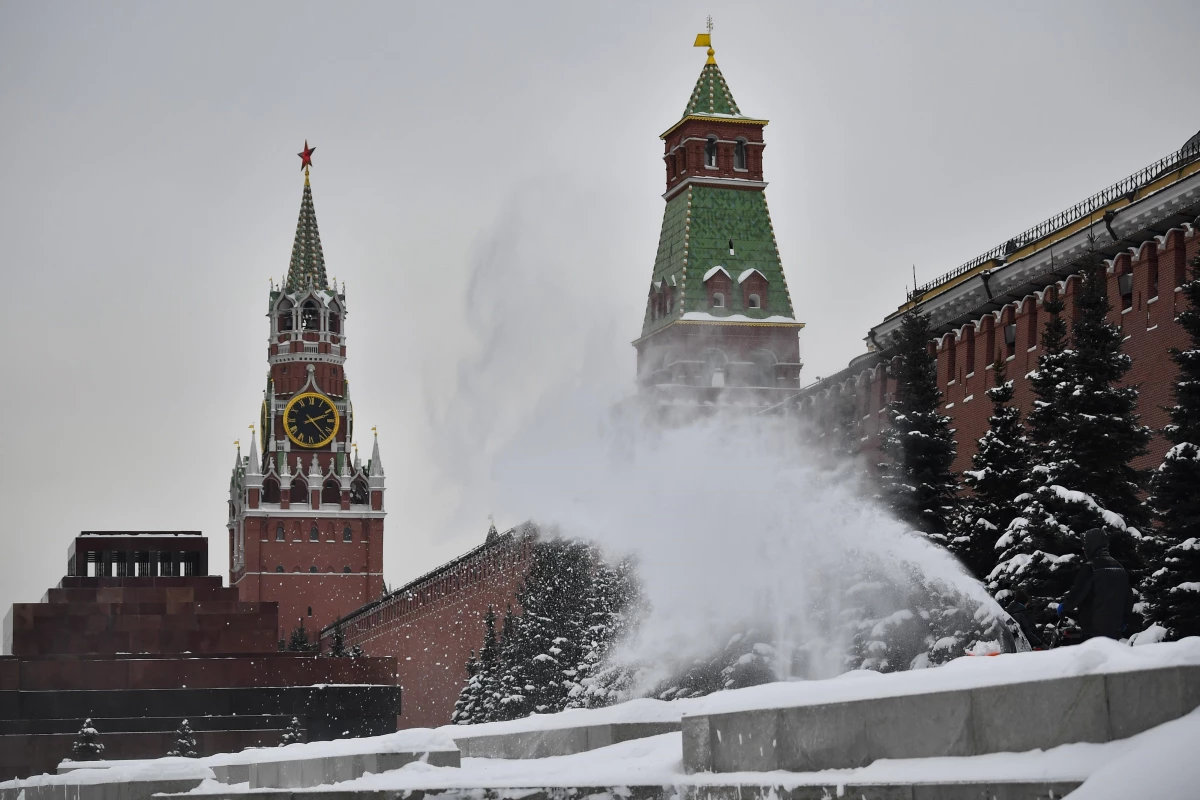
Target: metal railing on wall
x=1185, y=155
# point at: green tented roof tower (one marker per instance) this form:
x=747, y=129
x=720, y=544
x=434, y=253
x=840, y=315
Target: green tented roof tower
x=308, y=261
x=719, y=326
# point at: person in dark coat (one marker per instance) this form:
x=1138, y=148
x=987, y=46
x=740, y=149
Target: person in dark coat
x=1020, y=614
x=1101, y=594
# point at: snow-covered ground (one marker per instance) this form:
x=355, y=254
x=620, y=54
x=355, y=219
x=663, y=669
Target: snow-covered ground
x=1153, y=762
x=1160, y=762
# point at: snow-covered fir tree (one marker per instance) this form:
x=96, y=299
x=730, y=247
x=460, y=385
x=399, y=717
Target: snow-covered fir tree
x=337, y=649
x=916, y=481
x=466, y=707
x=185, y=742
x=553, y=626
x=613, y=606
x=478, y=700
x=293, y=734
x=745, y=660
x=555, y=654
x=1172, y=590
x=510, y=685
x=1087, y=434
x=1002, y=464
x=299, y=642
x=87, y=745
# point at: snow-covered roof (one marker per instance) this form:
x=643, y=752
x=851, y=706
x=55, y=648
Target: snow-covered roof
x=704, y=316
x=747, y=273
x=714, y=271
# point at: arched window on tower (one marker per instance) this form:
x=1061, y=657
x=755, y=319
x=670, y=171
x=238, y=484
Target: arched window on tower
x=310, y=316
x=754, y=301
x=358, y=492
x=270, y=493
x=739, y=154
x=335, y=318
x=715, y=362
x=710, y=152
x=284, y=320
x=314, y=535
x=763, y=373
x=331, y=492
x=299, y=492
x=279, y=533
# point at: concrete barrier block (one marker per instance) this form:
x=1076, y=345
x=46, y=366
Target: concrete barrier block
x=1137, y=701
x=919, y=726
x=265, y=775
x=1040, y=714
x=745, y=741
x=697, y=744
x=829, y=736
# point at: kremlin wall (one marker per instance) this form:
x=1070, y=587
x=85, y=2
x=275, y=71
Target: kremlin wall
x=1144, y=227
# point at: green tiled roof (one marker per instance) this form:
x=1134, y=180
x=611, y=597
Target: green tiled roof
x=711, y=95
x=308, y=261
x=697, y=226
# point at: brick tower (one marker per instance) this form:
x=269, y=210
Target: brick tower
x=719, y=327
x=306, y=519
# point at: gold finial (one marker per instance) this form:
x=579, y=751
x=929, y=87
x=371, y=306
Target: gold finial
x=237, y=443
x=705, y=40
x=375, y=430
x=252, y=428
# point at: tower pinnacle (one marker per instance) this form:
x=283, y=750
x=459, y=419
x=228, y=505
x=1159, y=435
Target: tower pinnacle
x=308, y=260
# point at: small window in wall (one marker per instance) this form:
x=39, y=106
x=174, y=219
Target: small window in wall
x=710, y=152
x=314, y=535
x=739, y=154
x=311, y=569
x=718, y=300
x=346, y=570
x=347, y=535
x=279, y=534
x=279, y=568
x=310, y=607
x=731, y=252
x=755, y=301
x=1010, y=338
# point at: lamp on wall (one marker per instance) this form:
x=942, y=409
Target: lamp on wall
x=1125, y=283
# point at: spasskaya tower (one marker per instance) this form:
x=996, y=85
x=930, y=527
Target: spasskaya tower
x=306, y=517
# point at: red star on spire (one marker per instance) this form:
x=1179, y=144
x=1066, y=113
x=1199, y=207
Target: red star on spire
x=306, y=155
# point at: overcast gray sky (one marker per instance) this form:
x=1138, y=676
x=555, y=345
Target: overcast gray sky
x=150, y=189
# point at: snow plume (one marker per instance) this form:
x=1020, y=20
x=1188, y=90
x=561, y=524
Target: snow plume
x=736, y=526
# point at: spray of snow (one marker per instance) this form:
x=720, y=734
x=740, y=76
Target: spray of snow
x=731, y=518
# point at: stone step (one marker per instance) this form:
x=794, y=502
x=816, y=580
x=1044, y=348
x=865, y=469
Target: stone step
x=1014, y=717
x=951, y=790
x=557, y=741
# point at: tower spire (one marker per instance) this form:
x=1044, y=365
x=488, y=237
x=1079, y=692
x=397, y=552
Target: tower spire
x=711, y=95
x=308, y=260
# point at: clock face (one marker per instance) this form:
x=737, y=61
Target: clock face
x=311, y=420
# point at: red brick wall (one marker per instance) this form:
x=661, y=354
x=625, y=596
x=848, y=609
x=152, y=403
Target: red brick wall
x=1148, y=325
x=684, y=151
x=432, y=626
